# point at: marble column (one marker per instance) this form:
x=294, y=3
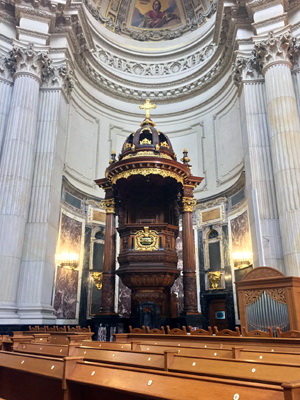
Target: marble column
x=188, y=255
x=109, y=258
x=5, y=99
x=38, y=264
x=275, y=55
x=16, y=171
x=260, y=186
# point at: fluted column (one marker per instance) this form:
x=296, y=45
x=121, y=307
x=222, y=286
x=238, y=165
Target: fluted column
x=188, y=253
x=260, y=186
x=109, y=258
x=5, y=99
x=275, y=55
x=16, y=171
x=38, y=264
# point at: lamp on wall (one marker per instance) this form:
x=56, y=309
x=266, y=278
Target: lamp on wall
x=242, y=259
x=66, y=259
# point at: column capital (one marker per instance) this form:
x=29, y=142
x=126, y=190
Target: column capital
x=188, y=204
x=109, y=206
x=275, y=50
x=28, y=60
x=59, y=76
x=246, y=68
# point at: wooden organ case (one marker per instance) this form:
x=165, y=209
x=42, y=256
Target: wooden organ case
x=148, y=189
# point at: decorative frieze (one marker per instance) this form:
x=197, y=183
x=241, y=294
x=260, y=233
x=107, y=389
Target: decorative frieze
x=155, y=68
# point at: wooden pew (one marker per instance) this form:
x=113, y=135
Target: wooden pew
x=267, y=356
x=30, y=377
x=131, y=358
x=234, y=369
x=93, y=380
x=265, y=343
x=188, y=351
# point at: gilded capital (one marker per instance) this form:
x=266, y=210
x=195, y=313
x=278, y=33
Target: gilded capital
x=188, y=204
x=108, y=205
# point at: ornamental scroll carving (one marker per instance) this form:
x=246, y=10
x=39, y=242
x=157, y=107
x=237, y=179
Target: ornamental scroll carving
x=278, y=295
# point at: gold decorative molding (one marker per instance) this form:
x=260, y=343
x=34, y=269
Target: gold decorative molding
x=146, y=154
x=146, y=240
x=97, y=278
x=108, y=205
x=188, y=204
x=214, y=279
x=146, y=172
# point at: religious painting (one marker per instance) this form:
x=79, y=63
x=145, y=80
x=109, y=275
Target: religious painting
x=67, y=275
x=241, y=246
x=66, y=293
x=155, y=14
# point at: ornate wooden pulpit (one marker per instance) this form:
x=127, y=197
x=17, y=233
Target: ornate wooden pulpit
x=148, y=189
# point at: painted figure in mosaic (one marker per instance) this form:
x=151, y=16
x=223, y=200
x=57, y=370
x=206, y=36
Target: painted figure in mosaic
x=156, y=18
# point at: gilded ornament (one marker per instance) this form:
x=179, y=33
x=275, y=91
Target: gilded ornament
x=146, y=172
x=165, y=144
x=147, y=106
x=188, y=204
x=97, y=278
x=145, y=141
x=214, y=278
x=146, y=240
x=146, y=154
x=108, y=205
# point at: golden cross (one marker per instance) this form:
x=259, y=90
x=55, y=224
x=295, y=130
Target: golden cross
x=147, y=106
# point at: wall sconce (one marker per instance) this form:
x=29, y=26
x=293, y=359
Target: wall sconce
x=67, y=260
x=97, y=278
x=242, y=259
x=214, y=279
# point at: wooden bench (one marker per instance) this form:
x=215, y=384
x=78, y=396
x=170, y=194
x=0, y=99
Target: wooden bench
x=234, y=369
x=93, y=380
x=276, y=344
x=31, y=377
x=201, y=352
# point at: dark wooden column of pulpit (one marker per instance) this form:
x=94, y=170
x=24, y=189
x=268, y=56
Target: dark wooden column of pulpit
x=109, y=259
x=188, y=252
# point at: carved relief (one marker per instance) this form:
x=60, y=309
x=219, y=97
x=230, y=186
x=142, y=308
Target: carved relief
x=155, y=69
x=250, y=296
x=278, y=295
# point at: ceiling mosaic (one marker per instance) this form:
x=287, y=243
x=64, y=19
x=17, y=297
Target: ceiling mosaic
x=150, y=20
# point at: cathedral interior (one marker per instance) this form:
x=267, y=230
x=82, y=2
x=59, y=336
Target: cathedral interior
x=149, y=159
